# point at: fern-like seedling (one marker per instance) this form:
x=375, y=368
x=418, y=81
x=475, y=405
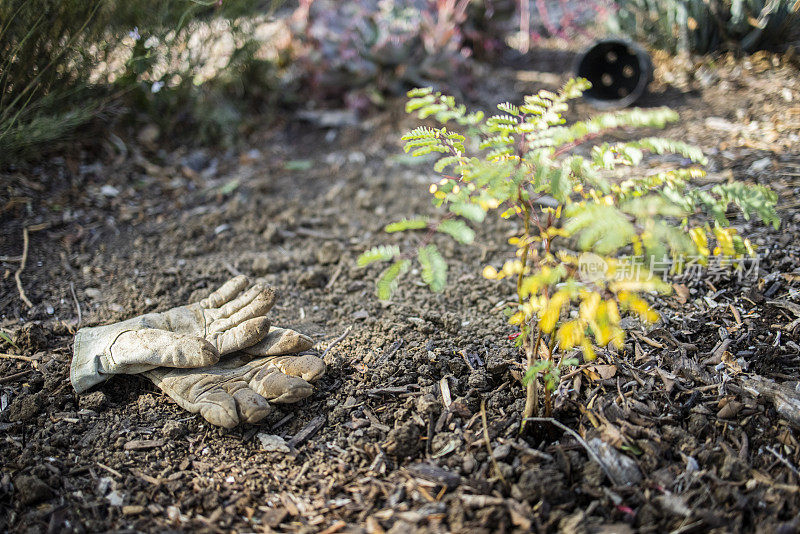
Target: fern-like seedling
x=526, y=166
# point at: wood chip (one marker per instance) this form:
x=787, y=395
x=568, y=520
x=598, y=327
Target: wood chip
x=144, y=444
x=445, y=387
x=434, y=473
x=309, y=430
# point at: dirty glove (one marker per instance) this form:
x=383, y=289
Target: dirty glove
x=236, y=389
x=229, y=319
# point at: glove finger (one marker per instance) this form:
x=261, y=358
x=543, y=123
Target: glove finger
x=259, y=293
x=280, y=341
x=275, y=386
x=251, y=406
x=226, y=292
x=308, y=367
x=140, y=350
x=240, y=336
x=218, y=408
x=257, y=307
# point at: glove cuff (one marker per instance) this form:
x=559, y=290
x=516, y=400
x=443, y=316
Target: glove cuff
x=92, y=354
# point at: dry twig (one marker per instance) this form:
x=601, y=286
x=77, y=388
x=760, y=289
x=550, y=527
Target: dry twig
x=489, y=443
x=336, y=341
x=22, y=262
x=77, y=304
x=17, y=357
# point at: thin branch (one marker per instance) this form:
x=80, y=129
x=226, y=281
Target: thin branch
x=337, y=341
x=77, y=304
x=489, y=443
x=22, y=267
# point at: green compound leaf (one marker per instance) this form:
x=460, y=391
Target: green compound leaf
x=379, y=253
x=434, y=268
x=406, y=224
x=458, y=230
x=470, y=211
x=387, y=283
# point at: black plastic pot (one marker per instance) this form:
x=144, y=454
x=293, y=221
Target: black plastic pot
x=619, y=71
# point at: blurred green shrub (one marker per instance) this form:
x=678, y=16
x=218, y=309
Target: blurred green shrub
x=707, y=25
x=65, y=62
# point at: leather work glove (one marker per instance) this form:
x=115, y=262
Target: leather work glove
x=238, y=388
x=178, y=350
x=229, y=319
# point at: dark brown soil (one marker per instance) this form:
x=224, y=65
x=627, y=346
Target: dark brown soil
x=118, y=234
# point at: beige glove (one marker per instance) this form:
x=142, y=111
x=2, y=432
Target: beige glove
x=236, y=389
x=228, y=320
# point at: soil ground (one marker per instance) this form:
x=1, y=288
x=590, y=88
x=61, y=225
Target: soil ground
x=675, y=417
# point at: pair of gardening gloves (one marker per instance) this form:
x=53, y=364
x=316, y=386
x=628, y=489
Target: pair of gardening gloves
x=218, y=357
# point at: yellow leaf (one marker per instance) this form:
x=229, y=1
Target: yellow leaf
x=517, y=318
x=588, y=350
x=490, y=272
x=552, y=311
x=570, y=334
x=588, y=307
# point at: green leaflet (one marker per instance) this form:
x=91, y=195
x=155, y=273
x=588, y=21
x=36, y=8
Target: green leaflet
x=458, y=230
x=387, y=283
x=470, y=211
x=600, y=228
x=379, y=253
x=434, y=268
x=406, y=224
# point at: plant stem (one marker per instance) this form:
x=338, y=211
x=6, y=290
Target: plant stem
x=548, y=407
x=532, y=390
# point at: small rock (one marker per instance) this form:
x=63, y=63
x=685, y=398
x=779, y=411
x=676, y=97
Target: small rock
x=31, y=490
x=468, y=464
x=328, y=253
x=115, y=498
x=313, y=278
x=501, y=452
x=26, y=407
x=260, y=265
x=496, y=365
x=478, y=380
x=355, y=286
x=174, y=429
x=360, y=315
x=132, y=509
x=272, y=443
x=92, y=293
x=93, y=401
x=146, y=402
x=428, y=404
x=109, y=191
x=759, y=165
x=403, y=441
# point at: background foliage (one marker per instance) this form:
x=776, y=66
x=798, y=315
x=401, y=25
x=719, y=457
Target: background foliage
x=63, y=63
x=200, y=66
x=708, y=25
